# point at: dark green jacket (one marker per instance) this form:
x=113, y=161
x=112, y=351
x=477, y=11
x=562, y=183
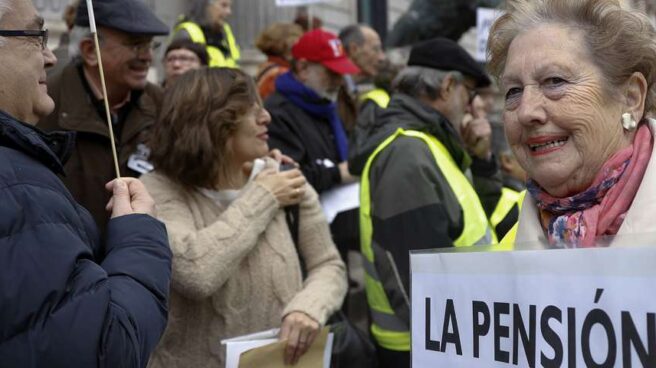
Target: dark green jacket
x=412, y=205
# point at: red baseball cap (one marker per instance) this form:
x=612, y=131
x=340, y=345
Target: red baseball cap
x=323, y=47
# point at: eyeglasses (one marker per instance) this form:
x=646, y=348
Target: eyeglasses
x=140, y=47
x=43, y=34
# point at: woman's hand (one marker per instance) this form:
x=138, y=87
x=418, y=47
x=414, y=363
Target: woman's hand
x=299, y=330
x=282, y=159
x=288, y=186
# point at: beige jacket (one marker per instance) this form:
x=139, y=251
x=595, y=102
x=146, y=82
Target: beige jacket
x=236, y=269
x=639, y=219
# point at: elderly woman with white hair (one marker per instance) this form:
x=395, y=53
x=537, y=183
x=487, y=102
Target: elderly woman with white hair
x=578, y=78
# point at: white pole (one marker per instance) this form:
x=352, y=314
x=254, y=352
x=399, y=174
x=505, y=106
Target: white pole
x=94, y=31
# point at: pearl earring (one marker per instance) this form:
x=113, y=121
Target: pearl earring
x=628, y=122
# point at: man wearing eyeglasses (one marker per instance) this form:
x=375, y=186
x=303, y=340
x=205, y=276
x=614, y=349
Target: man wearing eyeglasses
x=66, y=300
x=430, y=182
x=125, y=29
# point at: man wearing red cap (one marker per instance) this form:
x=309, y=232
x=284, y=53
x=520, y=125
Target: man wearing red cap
x=305, y=124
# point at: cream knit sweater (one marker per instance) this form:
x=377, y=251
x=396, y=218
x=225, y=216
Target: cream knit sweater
x=236, y=269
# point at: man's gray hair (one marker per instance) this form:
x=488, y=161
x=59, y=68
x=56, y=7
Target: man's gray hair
x=5, y=6
x=77, y=34
x=422, y=82
x=351, y=35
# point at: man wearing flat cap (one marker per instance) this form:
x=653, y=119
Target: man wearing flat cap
x=125, y=29
x=430, y=181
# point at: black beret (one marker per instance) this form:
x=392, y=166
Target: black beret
x=445, y=54
x=130, y=16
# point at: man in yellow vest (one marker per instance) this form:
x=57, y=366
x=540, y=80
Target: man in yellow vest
x=206, y=24
x=430, y=181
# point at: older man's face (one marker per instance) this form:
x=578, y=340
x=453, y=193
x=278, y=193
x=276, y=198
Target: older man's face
x=322, y=80
x=126, y=60
x=24, y=93
x=369, y=56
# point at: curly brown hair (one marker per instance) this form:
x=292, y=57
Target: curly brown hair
x=278, y=39
x=198, y=116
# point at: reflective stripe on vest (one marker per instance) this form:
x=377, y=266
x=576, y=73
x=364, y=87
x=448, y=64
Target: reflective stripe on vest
x=507, y=201
x=508, y=241
x=389, y=331
x=378, y=95
x=217, y=58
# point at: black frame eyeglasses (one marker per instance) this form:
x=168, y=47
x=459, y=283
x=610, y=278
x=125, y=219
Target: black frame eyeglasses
x=42, y=33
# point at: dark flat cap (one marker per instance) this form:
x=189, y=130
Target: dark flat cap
x=445, y=54
x=130, y=16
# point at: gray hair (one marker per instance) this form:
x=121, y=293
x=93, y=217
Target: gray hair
x=77, y=34
x=619, y=41
x=422, y=82
x=5, y=6
x=351, y=35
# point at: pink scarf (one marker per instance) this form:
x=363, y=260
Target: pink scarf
x=576, y=221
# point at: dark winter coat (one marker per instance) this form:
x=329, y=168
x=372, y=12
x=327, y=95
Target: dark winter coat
x=91, y=164
x=64, y=301
x=412, y=204
x=306, y=139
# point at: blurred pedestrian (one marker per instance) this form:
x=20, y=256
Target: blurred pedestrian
x=66, y=300
x=363, y=46
x=372, y=106
x=276, y=43
x=62, y=52
x=126, y=29
x=181, y=56
x=206, y=24
x=237, y=267
x=305, y=124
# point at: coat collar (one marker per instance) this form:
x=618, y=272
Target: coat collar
x=77, y=111
x=411, y=114
x=51, y=149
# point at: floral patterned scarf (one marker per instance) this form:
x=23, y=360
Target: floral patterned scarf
x=600, y=209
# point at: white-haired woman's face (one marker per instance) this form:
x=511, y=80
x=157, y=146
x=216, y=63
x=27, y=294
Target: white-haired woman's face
x=560, y=122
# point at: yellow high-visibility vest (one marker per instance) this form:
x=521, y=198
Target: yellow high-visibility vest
x=217, y=58
x=509, y=198
x=378, y=96
x=508, y=241
x=390, y=331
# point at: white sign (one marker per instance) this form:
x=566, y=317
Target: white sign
x=484, y=19
x=298, y=2
x=551, y=308
x=340, y=199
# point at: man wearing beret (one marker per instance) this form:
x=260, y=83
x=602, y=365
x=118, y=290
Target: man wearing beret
x=126, y=29
x=430, y=181
x=65, y=300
